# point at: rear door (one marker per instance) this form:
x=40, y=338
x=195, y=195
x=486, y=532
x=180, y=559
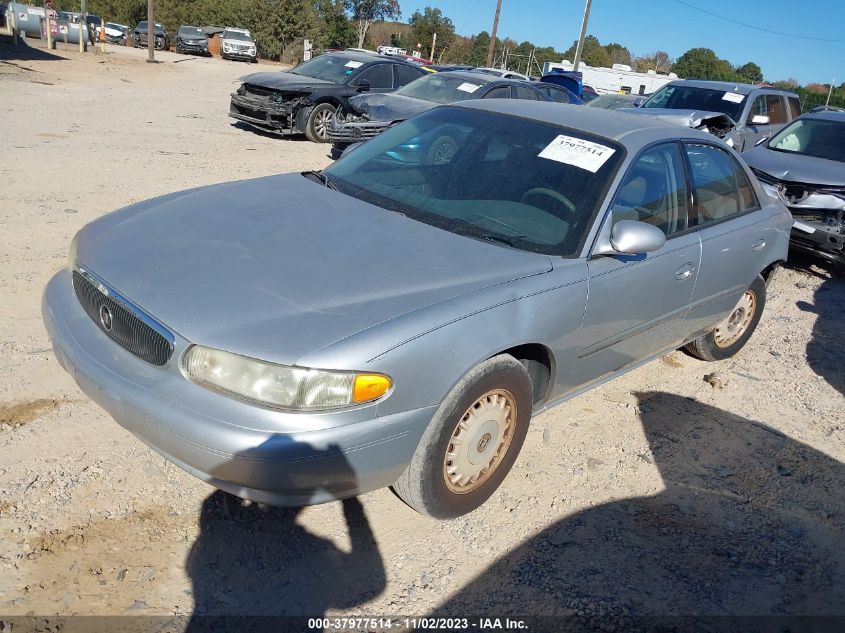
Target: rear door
x=735, y=233
x=637, y=304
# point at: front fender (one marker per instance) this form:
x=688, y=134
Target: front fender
x=428, y=351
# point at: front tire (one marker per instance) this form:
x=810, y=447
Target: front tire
x=471, y=443
x=733, y=332
x=317, y=127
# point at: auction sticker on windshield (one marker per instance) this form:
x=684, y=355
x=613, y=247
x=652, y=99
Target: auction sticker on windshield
x=577, y=152
x=468, y=87
x=353, y=64
x=733, y=97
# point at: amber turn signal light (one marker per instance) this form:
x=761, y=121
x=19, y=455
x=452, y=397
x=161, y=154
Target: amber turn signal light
x=369, y=387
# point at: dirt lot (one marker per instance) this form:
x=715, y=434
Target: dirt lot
x=659, y=493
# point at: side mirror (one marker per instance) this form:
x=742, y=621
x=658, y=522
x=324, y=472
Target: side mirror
x=364, y=86
x=760, y=119
x=633, y=237
x=761, y=141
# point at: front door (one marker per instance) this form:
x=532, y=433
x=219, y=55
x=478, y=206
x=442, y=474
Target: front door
x=637, y=303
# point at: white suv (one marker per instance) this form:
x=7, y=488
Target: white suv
x=238, y=44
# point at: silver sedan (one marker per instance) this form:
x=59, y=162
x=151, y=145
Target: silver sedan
x=394, y=321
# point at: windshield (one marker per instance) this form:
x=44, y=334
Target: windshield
x=521, y=183
x=142, y=27
x=336, y=68
x=441, y=88
x=236, y=35
x=812, y=137
x=191, y=31
x=677, y=97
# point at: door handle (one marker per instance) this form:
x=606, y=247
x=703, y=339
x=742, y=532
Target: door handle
x=759, y=245
x=685, y=271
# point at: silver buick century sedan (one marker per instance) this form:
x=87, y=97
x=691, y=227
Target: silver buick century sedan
x=394, y=321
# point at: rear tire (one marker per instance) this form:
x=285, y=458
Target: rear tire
x=731, y=335
x=471, y=442
x=442, y=150
x=317, y=127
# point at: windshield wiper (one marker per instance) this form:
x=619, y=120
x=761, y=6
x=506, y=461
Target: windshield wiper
x=321, y=177
x=489, y=237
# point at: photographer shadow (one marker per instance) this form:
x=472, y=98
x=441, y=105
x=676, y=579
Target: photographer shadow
x=750, y=523
x=826, y=349
x=255, y=560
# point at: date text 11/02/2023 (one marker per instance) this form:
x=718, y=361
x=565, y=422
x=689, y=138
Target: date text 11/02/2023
x=422, y=623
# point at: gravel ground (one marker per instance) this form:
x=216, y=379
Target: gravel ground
x=659, y=493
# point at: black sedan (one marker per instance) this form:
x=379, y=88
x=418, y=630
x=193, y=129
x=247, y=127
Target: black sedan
x=304, y=99
x=371, y=114
x=142, y=31
x=191, y=39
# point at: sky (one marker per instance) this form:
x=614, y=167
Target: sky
x=645, y=26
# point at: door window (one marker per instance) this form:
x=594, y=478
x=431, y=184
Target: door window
x=794, y=107
x=758, y=107
x=380, y=77
x=560, y=96
x=526, y=93
x=776, y=109
x=406, y=74
x=722, y=188
x=500, y=92
x=655, y=190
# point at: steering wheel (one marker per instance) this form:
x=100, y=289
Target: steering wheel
x=550, y=193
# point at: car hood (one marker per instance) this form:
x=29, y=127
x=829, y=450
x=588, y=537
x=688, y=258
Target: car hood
x=797, y=168
x=284, y=81
x=279, y=267
x=388, y=107
x=688, y=118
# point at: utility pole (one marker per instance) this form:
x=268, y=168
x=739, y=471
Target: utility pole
x=433, y=44
x=579, y=49
x=83, y=27
x=151, y=33
x=830, y=92
x=492, y=46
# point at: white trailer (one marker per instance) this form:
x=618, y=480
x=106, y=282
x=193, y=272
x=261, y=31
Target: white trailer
x=619, y=79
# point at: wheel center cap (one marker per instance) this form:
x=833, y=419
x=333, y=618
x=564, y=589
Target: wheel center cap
x=485, y=440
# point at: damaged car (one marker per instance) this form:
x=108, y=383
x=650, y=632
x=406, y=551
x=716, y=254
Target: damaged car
x=311, y=336
x=368, y=115
x=191, y=39
x=739, y=114
x=804, y=167
x=304, y=99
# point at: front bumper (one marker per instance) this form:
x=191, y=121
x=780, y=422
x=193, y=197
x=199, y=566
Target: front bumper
x=193, y=48
x=267, y=456
x=279, y=117
x=239, y=55
x=347, y=131
x=822, y=239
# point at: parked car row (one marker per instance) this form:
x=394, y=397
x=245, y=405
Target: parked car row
x=348, y=97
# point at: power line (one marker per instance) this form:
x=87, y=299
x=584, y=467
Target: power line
x=756, y=28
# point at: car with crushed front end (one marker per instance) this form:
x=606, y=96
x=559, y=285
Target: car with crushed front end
x=304, y=99
x=305, y=337
x=368, y=115
x=191, y=39
x=804, y=166
x=739, y=114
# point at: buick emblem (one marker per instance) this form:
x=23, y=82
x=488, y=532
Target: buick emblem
x=106, y=317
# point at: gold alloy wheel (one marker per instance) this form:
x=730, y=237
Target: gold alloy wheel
x=732, y=328
x=480, y=441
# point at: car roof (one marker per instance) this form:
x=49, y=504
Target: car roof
x=370, y=57
x=628, y=129
x=726, y=86
x=826, y=115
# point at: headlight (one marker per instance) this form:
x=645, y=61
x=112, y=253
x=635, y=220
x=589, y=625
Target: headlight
x=279, y=386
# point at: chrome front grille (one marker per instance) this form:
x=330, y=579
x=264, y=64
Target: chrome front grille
x=125, y=324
